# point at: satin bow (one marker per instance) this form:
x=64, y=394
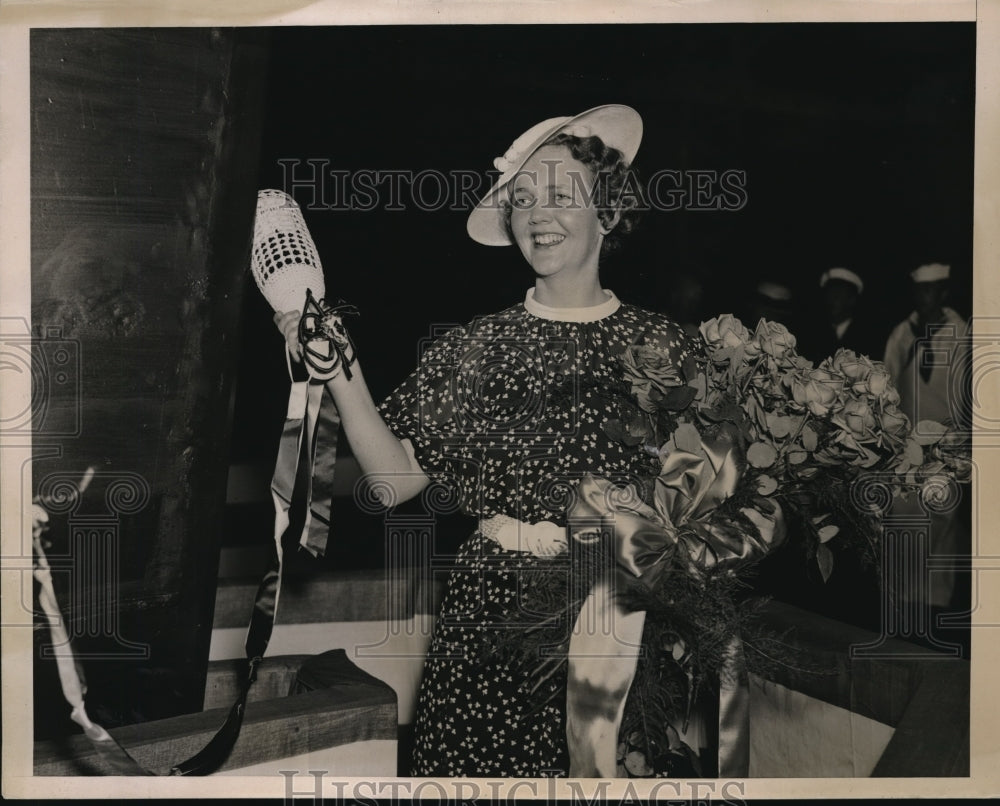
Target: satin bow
x=326, y=344
x=682, y=523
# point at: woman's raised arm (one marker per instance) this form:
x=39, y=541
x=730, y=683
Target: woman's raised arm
x=387, y=462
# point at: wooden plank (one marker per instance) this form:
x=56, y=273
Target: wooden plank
x=274, y=679
x=363, y=595
x=272, y=729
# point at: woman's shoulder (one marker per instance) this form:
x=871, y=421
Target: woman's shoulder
x=654, y=324
x=448, y=338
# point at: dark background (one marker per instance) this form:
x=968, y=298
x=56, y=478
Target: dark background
x=856, y=140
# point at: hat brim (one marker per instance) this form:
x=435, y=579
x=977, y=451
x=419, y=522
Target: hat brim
x=617, y=125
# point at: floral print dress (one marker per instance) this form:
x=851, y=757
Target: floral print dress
x=509, y=411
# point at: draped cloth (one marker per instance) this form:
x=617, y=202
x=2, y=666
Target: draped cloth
x=682, y=525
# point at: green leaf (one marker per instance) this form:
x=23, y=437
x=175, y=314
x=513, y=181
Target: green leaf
x=617, y=431
x=797, y=457
x=828, y=532
x=913, y=453
x=677, y=398
x=687, y=438
x=810, y=439
x=637, y=425
x=868, y=457
x=824, y=558
x=761, y=455
x=779, y=425
x=766, y=485
x=928, y=432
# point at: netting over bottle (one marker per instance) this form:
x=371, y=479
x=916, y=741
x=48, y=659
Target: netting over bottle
x=284, y=260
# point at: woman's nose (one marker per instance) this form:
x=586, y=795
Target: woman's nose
x=540, y=212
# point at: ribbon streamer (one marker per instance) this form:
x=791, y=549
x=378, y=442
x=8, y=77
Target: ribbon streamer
x=306, y=420
x=683, y=524
x=73, y=690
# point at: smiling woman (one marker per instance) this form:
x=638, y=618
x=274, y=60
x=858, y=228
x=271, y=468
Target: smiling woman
x=509, y=411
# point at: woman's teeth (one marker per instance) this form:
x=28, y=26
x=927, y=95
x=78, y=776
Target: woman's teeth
x=549, y=240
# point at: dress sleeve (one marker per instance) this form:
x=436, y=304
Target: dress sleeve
x=423, y=409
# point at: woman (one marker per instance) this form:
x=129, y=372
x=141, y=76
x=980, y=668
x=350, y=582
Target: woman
x=509, y=409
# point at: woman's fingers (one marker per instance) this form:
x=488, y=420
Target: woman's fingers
x=288, y=324
x=547, y=539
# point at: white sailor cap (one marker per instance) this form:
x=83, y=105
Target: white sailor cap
x=931, y=273
x=774, y=291
x=846, y=275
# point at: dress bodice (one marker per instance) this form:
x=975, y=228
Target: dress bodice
x=510, y=408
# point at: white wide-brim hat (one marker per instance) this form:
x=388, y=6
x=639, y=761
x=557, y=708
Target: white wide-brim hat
x=618, y=126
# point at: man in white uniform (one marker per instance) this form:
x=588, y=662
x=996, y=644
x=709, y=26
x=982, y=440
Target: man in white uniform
x=927, y=356
x=927, y=352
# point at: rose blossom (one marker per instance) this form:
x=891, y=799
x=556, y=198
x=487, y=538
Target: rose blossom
x=859, y=417
x=648, y=369
x=816, y=389
x=894, y=421
x=848, y=363
x=774, y=338
x=727, y=331
x=879, y=382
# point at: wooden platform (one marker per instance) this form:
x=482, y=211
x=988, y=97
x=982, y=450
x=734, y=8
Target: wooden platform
x=277, y=725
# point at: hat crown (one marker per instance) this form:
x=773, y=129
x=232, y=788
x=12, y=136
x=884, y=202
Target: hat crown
x=846, y=275
x=617, y=126
x=930, y=273
x=513, y=155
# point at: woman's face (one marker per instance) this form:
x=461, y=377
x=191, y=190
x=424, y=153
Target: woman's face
x=553, y=218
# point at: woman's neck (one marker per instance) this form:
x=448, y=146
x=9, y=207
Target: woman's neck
x=564, y=292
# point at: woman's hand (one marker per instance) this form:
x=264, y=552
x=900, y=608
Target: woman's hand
x=543, y=539
x=288, y=324
x=380, y=454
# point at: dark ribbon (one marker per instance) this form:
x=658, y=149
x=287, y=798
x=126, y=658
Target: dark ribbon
x=607, y=637
x=307, y=422
x=326, y=344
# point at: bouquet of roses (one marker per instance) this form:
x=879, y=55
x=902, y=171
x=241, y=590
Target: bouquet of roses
x=745, y=441
x=741, y=443
x=809, y=433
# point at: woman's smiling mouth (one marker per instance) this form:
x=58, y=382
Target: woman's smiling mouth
x=548, y=239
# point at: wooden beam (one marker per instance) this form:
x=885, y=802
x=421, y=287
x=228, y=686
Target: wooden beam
x=272, y=729
x=275, y=677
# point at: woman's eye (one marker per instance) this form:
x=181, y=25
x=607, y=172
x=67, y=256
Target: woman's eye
x=522, y=202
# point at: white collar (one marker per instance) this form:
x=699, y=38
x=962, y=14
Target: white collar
x=591, y=313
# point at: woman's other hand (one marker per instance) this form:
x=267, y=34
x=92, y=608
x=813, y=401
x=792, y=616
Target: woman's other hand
x=288, y=324
x=543, y=539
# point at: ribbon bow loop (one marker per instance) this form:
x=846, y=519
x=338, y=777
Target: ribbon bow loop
x=684, y=521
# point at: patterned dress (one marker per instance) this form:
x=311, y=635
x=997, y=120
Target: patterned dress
x=509, y=411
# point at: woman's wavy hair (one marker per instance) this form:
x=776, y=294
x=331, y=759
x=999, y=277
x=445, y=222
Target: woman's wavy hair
x=616, y=185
